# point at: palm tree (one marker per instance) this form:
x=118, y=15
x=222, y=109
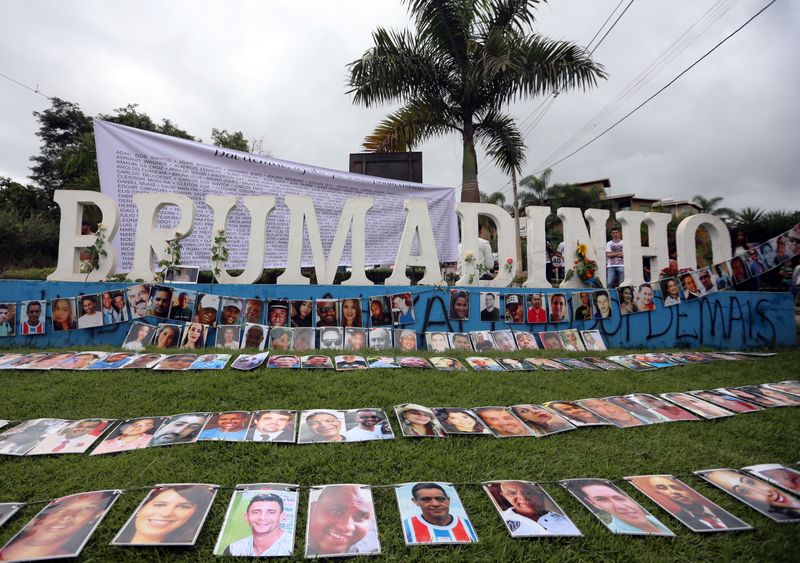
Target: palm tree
x=711, y=205
x=458, y=71
x=536, y=189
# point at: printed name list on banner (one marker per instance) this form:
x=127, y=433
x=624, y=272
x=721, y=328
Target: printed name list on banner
x=133, y=161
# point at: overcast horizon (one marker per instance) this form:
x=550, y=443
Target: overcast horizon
x=277, y=71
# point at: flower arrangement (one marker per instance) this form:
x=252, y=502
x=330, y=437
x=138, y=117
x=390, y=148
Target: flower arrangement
x=509, y=264
x=584, y=268
x=219, y=252
x=95, y=251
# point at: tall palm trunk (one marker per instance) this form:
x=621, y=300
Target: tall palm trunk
x=470, y=192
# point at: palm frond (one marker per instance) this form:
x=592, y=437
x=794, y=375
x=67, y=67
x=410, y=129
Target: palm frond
x=503, y=140
x=407, y=127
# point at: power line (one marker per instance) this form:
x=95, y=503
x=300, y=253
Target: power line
x=670, y=83
x=34, y=90
x=613, y=25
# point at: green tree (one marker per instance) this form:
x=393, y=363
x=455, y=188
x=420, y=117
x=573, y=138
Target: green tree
x=458, y=71
x=536, y=190
x=711, y=205
x=235, y=141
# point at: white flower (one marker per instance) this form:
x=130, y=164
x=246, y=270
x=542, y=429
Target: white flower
x=101, y=227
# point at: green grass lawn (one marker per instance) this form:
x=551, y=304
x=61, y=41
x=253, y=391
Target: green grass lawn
x=677, y=448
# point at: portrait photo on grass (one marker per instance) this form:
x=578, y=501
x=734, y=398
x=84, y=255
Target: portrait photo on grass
x=283, y=361
x=21, y=438
x=432, y=513
x=405, y=340
x=381, y=338
x=376, y=362
x=502, y=422
x=211, y=361
x=437, y=341
x=504, y=340
x=280, y=338
x=576, y=414
x=139, y=335
x=482, y=340
x=367, y=424
x=776, y=474
x=132, y=434
x=272, y=425
x=316, y=361
x=228, y=337
x=481, y=363
x=547, y=364
x=321, y=425
x=515, y=364
x=260, y=521
x=331, y=338
x=61, y=529
x=228, y=426
x=525, y=340
x=775, y=504
x=176, y=362
x=349, y=362
x=417, y=421
x=180, y=429
x=341, y=522
x=457, y=420
x=551, y=340
x=415, y=362
x=460, y=341
x=144, y=361
x=541, y=421
x=170, y=515
x=75, y=438
x=528, y=511
x=593, y=340
x=254, y=336
x=447, y=364
x=614, y=508
x=355, y=339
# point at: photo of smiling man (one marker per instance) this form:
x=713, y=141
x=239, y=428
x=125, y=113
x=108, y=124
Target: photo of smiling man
x=528, y=511
x=341, y=521
x=321, y=426
x=432, y=513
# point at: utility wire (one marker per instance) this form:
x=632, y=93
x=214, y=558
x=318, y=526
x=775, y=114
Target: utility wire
x=34, y=90
x=663, y=88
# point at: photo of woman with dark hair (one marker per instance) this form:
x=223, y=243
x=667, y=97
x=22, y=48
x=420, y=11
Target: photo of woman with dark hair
x=459, y=305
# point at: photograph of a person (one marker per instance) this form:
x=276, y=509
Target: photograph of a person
x=602, y=304
x=571, y=340
x=118, y=312
x=61, y=529
x=181, y=274
x=697, y=406
x=541, y=421
x=283, y=361
x=321, y=425
x=231, y=313
x=525, y=340
x=504, y=340
x=31, y=317
x=273, y=425
x=381, y=338
x=459, y=305
x=229, y=426
x=351, y=313
x=254, y=311
x=327, y=312
x=489, y=302
x=482, y=340
x=629, y=404
x=723, y=276
x=176, y=362
x=667, y=410
x=551, y=341
x=413, y=362
x=576, y=414
x=528, y=511
x=80, y=361
x=645, y=300
x=514, y=364
x=160, y=301
x=304, y=339
x=167, y=336
x=593, y=340
x=139, y=335
x=627, y=300
x=168, y=515
x=380, y=310
x=405, y=340
x=331, y=338
x=557, y=304
x=432, y=513
x=776, y=474
x=514, y=310
x=228, y=337
x=207, y=309
x=179, y=429
x=536, y=312
x=740, y=273
x=316, y=362
x=195, y=336
x=417, y=421
x=301, y=313
x=460, y=341
x=388, y=362
x=460, y=421
x=350, y=362
x=614, y=508
x=685, y=504
x=480, y=363
x=759, y=495
x=64, y=315
x=355, y=339
x=575, y=363
x=138, y=299
x=133, y=434
x=20, y=439
x=260, y=521
x=613, y=413
x=280, y=338
x=502, y=422
x=254, y=336
x=582, y=309
x=75, y=438
x=631, y=363
x=45, y=362
x=144, y=361
x=727, y=401
x=670, y=291
x=367, y=424
x=341, y=522
x=437, y=342
x=705, y=281
x=403, y=309
x=277, y=312
x=446, y=364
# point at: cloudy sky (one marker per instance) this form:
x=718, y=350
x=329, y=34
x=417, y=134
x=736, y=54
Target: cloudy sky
x=276, y=71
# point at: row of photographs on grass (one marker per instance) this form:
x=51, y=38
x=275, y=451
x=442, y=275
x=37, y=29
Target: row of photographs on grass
x=192, y=336
x=94, y=360
x=57, y=436
x=261, y=518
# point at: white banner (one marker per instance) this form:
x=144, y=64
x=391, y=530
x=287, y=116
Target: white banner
x=133, y=161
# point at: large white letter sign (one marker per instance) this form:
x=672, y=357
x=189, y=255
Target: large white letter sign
x=260, y=207
x=151, y=241
x=469, y=213
x=633, y=251
x=353, y=215
x=535, y=220
x=418, y=223
x=575, y=232
x=685, y=239
x=71, y=241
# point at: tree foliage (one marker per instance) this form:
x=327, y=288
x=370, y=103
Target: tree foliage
x=235, y=140
x=457, y=72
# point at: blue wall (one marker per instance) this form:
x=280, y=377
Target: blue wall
x=729, y=320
